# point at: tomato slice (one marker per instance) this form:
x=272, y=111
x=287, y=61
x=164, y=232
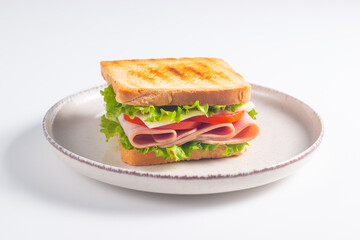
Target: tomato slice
x=226, y=118
x=135, y=120
x=176, y=126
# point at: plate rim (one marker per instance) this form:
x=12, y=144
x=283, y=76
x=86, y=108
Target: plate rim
x=52, y=111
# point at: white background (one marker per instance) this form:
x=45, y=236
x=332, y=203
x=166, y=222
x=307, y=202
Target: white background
x=48, y=50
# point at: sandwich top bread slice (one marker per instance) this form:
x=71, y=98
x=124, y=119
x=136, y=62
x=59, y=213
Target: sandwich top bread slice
x=174, y=81
x=165, y=110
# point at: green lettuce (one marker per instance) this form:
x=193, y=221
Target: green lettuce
x=252, y=114
x=157, y=113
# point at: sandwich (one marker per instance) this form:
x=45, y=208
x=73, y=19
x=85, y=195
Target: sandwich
x=169, y=110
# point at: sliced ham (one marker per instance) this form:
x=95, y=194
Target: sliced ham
x=241, y=131
x=203, y=129
x=141, y=137
x=246, y=130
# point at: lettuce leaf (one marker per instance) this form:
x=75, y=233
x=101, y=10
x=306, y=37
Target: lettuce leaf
x=157, y=113
x=252, y=114
x=234, y=148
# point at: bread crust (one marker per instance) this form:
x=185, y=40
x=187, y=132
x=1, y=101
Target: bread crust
x=172, y=81
x=135, y=158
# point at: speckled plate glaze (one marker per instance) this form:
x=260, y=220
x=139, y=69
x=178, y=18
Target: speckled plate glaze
x=289, y=132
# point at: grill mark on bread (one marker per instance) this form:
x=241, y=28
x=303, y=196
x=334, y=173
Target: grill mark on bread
x=140, y=75
x=205, y=73
x=176, y=72
x=157, y=73
x=219, y=74
x=196, y=72
x=158, y=76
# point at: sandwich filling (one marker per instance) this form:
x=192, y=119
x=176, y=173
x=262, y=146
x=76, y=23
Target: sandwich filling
x=176, y=131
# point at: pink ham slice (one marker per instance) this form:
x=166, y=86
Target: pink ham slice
x=241, y=131
x=141, y=137
x=245, y=130
x=227, y=128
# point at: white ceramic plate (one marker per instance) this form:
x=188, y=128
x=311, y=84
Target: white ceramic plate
x=289, y=131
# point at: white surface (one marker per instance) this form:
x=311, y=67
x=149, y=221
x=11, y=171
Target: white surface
x=72, y=129
x=309, y=49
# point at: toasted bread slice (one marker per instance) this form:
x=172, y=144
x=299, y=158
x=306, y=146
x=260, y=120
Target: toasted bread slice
x=174, y=81
x=135, y=158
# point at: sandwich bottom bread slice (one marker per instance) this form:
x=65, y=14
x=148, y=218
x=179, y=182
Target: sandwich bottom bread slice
x=163, y=134
x=136, y=158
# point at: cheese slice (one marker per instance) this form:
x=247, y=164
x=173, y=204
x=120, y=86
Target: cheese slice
x=192, y=113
